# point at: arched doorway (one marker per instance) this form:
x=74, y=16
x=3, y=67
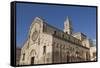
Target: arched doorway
x=32, y=60
x=32, y=56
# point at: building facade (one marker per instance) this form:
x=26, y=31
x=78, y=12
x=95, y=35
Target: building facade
x=93, y=53
x=18, y=53
x=47, y=44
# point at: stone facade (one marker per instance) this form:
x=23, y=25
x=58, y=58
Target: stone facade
x=47, y=44
x=18, y=53
x=93, y=53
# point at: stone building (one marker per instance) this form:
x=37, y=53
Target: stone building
x=47, y=44
x=93, y=53
x=18, y=53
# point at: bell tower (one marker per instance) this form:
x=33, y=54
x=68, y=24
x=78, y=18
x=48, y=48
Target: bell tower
x=68, y=26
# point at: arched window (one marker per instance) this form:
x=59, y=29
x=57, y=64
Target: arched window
x=57, y=46
x=23, y=57
x=44, y=49
x=55, y=32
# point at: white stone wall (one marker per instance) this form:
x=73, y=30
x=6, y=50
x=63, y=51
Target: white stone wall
x=45, y=40
x=63, y=47
x=93, y=50
x=36, y=50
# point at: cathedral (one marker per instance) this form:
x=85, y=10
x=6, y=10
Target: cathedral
x=47, y=44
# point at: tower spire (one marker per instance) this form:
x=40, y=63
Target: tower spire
x=68, y=26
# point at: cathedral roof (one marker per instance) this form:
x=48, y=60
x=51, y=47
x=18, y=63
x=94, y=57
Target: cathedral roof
x=76, y=33
x=59, y=30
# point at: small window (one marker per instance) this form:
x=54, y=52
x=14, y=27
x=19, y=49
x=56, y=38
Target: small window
x=23, y=56
x=63, y=35
x=66, y=32
x=94, y=54
x=55, y=32
x=57, y=46
x=44, y=49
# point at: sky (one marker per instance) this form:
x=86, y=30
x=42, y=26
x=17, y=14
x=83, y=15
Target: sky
x=83, y=18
